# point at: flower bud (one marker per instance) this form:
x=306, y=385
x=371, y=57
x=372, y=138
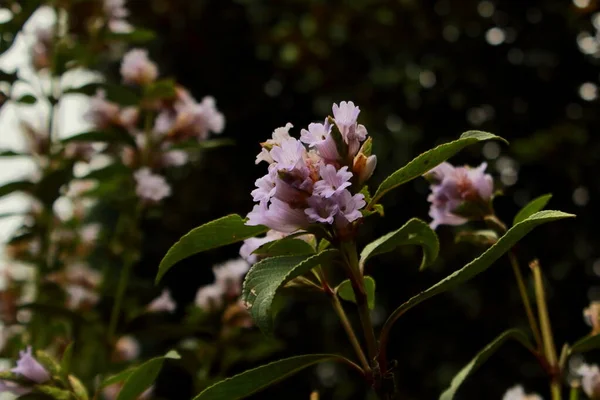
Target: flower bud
x=136, y=68
x=592, y=317
x=363, y=167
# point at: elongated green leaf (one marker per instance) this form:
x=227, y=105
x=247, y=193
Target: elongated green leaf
x=217, y=233
x=120, y=377
x=428, y=160
x=284, y=247
x=27, y=99
x=532, y=207
x=478, y=265
x=161, y=89
x=482, y=357
x=65, y=362
x=266, y=277
x=18, y=186
x=257, y=379
x=586, y=344
x=11, y=153
x=110, y=136
x=142, y=377
x=414, y=231
x=115, y=93
x=345, y=291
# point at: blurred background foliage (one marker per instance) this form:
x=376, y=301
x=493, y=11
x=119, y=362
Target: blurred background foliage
x=422, y=73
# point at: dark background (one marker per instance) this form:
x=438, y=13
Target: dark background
x=272, y=62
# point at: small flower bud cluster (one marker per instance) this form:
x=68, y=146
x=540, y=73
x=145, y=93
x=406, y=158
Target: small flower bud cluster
x=226, y=288
x=80, y=283
x=163, y=303
x=313, y=180
x=175, y=119
x=453, y=188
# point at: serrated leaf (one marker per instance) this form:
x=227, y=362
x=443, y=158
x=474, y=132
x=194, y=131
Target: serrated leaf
x=345, y=291
x=478, y=265
x=217, y=233
x=414, y=231
x=243, y=385
x=284, y=247
x=586, y=344
x=109, y=136
x=138, y=379
x=27, y=99
x=532, y=207
x=481, y=357
x=428, y=160
x=266, y=277
x=18, y=186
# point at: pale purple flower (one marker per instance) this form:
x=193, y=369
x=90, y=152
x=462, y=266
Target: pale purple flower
x=590, y=380
x=278, y=216
x=189, y=118
x=151, y=187
x=115, y=9
x=209, y=297
x=30, y=368
x=79, y=296
x=229, y=276
x=89, y=233
x=128, y=117
x=332, y=181
x=279, y=135
x=163, y=303
x=345, y=115
x=318, y=136
x=349, y=206
x=13, y=387
x=164, y=122
x=321, y=209
x=212, y=118
x=174, y=158
x=518, y=393
x=452, y=187
x=289, y=155
x=254, y=243
x=81, y=274
x=102, y=113
x=265, y=186
x=136, y=68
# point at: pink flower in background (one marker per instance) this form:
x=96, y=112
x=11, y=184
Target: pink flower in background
x=174, y=158
x=163, y=303
x=590, y=380
x=151, y=187
x=102, y=113
x=452, y=186
x=127, y=348
x=518, y=393
x=229, y=276
x=209, y=297
x=254, y=243
x=30, y=368
x=136, y=68
x=41, y=49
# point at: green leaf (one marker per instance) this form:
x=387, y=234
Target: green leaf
x=18, y=186
x=478, y=265
x=345, y=291
x=428, y=160
x=532, y=207
x=27, y=99
x=136, y=36
x=482, y=357
x=586, y=344
x=120, y=377
x=53, y=392
x=141, y=378
x=266, y=277
x=414, y=231
x=284, y=247
x=482, y=237
x=217, y=233
x=257, y=379
x=161, y=89
x=78, y=388
x=11, y=153
x=65, y=362
x=109, y=136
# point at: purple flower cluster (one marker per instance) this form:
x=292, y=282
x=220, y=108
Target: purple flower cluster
x=309, y=180
x=453, y=187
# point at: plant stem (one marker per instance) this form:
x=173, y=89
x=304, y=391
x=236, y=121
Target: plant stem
x=358, y=285
x=337, y=306
x=121, y=288
x=525, y=299
x=548, y=340
x=574, y=394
